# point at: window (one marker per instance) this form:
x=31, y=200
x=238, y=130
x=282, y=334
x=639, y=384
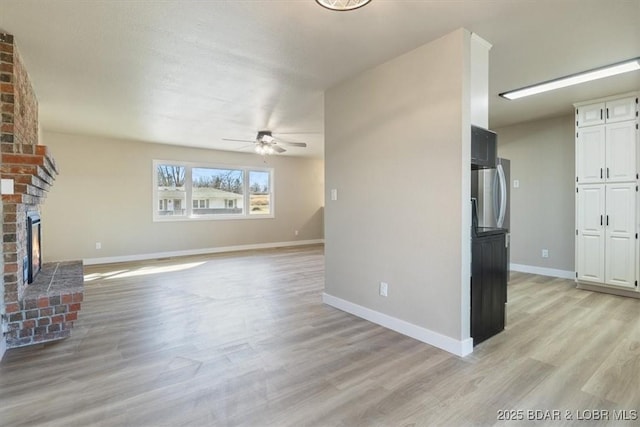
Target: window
x=185, y=191
x=170, y=190
x=259, y=193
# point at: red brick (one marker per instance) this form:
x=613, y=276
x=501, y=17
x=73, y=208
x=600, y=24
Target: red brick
x=22, y=159
x=78, y=297
x=12, y=198
x=6, y=88
x=74, y=307
x=57, y=319
x=43, y=302
x=29, y=324
x=12, y=307
x=71, y=316
x=10, y=268
x=6, y=47
x=44, y=321
x=66, y=299
x=46, y=312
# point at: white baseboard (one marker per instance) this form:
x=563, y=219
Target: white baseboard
x=204, y=251
x=459, y=348
x=553, y=272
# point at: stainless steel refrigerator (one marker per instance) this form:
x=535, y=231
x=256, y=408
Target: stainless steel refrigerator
x=490, y=188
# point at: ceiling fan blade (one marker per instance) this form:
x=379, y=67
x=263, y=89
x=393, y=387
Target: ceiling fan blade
x=293, y=144
x=278, y=149
x=238, y=140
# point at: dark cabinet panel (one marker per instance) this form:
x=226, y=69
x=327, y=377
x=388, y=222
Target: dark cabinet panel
x=488, y=286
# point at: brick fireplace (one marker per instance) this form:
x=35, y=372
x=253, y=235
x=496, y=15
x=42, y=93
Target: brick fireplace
x=44, y=310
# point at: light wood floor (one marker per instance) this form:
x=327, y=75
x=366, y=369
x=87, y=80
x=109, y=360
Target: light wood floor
x=244, y=339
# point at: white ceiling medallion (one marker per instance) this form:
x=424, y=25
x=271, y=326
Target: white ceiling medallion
x=342, y=5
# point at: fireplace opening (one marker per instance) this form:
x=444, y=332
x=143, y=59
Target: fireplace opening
x=34, y=248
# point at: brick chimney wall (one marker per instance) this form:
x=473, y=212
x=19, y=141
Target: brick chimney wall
x=29, y=165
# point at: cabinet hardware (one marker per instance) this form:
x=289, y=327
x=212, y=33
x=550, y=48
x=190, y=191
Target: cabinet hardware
x=607, y=113
x=600, y=173
x=607, y=220
x=600, y=220
x=601, y=114
x=607, y=173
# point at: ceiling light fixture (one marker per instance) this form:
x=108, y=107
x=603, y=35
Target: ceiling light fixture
x=342, y=5
x=574, y=79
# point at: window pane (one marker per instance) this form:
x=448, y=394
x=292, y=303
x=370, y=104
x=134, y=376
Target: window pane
x=171, y=191
x=219, y=191
x=259, y=193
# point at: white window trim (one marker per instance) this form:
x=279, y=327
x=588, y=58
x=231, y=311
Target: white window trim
x=189, y=191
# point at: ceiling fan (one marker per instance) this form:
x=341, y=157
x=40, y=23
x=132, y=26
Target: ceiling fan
x=265, y=143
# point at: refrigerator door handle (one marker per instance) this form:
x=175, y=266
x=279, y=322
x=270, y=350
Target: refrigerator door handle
x=502, y=209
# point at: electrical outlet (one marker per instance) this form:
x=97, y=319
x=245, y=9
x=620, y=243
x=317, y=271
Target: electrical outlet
x=296, y=232
x=545, y=253
x=98, y=245
x=516, y=183
x=384, y=289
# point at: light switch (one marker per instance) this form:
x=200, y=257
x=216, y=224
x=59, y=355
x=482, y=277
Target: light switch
x=334, y=194
x=7, y=186
x=516, y=183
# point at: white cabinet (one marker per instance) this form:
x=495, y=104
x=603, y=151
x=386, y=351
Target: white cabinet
x=606, y=153
x=620, y=235
x=590, y=228
x=607, y=202
x=616, y=110
x=606, y=230
x=620, y=158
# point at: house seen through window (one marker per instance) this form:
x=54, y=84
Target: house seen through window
x=186, y=191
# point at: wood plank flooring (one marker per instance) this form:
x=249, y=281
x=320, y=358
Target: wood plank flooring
x=244, y=339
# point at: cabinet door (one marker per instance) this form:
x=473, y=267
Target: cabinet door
x=589, y=115
x=620, y=237
x=488, y=286
x=620, y=110
x=621, y=152
x=590, y=154
x=590, y=209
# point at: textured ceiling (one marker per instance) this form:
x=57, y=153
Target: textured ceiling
x=194, y=72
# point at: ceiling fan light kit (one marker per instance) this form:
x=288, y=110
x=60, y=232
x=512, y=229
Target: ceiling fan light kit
x=574, y=79
x=266, y=144
x=264, y=149
x=342, y=5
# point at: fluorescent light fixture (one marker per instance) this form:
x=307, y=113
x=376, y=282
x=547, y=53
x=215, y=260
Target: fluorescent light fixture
x=574, y=79
x=342, y=5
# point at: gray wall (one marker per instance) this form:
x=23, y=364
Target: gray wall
x=104, y=194
x=542, y=208
x=394, y=150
